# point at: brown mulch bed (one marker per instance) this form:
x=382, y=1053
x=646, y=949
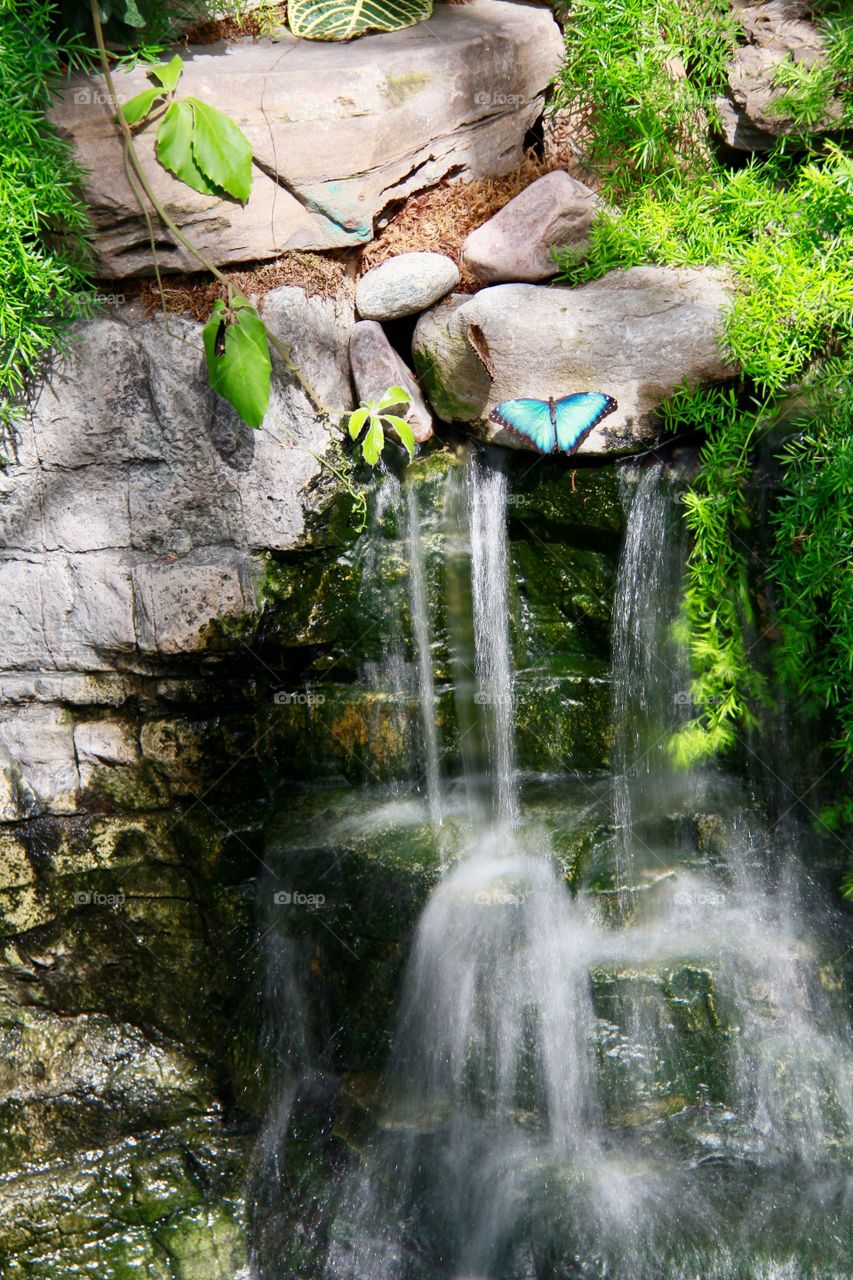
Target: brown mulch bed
x=439, y=220
x=319, y=276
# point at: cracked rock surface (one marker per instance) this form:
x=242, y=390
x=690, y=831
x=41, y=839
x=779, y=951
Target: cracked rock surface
x=340, y=132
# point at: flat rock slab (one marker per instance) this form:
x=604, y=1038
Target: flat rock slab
x=340, y=131
x=634, y=334
x=516, y=243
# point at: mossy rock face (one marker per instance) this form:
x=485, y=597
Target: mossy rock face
x=349, y=882
x=165, y=1204
x=663, y=1041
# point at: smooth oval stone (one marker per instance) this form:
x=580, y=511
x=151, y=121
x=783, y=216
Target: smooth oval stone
x=405, y=285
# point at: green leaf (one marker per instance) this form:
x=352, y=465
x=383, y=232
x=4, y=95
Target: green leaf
x=241, y=374
x=169, y=73
x=137, y=108
x=174, y=148
x=131, y=14
x=395, y=395
x=220, y=150
x=357, y=421
x=374, y=441
x=404, y=431
x=343, y=19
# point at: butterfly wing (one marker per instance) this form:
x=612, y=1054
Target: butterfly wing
x=530, y=419
x=578, y=414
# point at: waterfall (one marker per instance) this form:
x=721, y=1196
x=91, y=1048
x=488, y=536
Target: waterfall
x=650, y=676
x=575, y=1092
x=489, y=579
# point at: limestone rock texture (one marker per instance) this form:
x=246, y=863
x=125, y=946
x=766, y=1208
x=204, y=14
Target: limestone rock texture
x=340, y=132
x=634, y=334
x=137, y=519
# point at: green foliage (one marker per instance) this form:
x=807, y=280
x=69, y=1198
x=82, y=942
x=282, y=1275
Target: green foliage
x=821, y=93
x=198, y=144
x=375, y=414
x=788, y=244
x=808, y=89
x=238, y=358
x=785, y=234
x=45, y=277
x=644, y=75
x=718, y=608
x=812, y=564
x=343, y=19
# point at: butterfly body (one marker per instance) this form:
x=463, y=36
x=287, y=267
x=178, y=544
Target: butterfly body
x=554, y=425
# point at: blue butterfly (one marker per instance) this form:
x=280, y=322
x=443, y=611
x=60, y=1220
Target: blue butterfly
x=555, y=425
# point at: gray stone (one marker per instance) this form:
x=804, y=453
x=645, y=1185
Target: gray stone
x=405, y=285
x=777, y=31
x=37, y=756
x=376, y=366
x=176, y=602
x=105, y=742
x=341, y=132
x=516, y=243
x=634, y=334
x=317, y=332
x=87, y=609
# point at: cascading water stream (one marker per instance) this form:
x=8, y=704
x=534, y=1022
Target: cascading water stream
x=487, y=490
x=543, y=1113
x=421, y=637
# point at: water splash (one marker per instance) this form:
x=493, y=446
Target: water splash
x=528, y=1123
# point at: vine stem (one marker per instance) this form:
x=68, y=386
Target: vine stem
x=134, y=164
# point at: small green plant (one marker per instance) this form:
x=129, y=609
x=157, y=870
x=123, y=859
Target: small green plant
x=374, y=414
x=197, y=143
x=808, y=90
x=343, y=19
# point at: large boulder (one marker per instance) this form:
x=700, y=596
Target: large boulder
x=635, y=334
x=340, y=131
